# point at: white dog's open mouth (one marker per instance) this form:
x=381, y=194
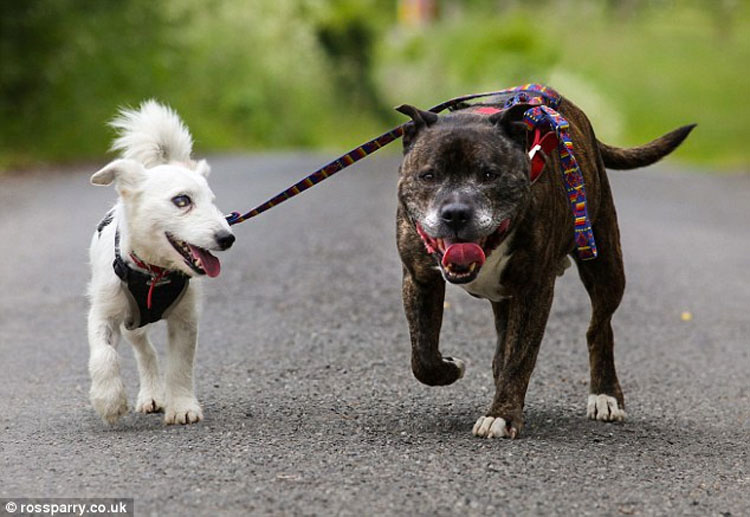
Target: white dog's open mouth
x=199, y=259
x=461, y=261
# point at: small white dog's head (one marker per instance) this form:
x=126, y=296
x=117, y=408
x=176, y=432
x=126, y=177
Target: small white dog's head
x=170, y=216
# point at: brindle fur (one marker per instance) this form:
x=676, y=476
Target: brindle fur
x=455, y=146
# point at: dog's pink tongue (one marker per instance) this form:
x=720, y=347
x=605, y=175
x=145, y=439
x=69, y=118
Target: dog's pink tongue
x=463, y=254
x=210, y=264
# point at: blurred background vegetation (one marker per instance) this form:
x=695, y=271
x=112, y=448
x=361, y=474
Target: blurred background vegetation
x=269, y=74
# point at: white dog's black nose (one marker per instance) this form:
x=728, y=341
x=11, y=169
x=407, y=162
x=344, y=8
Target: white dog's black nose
x=456, y=215
x=224, y=240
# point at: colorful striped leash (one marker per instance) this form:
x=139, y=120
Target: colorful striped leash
x=376, y=143
x=543, y=100
x=542, y=116
x=535, y=118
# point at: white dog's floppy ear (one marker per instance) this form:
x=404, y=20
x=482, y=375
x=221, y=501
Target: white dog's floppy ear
x=203, y=168
x=126, y=174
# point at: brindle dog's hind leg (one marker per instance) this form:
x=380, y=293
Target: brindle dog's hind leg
x=423, y=303
x=520, y=323
x=604, y=279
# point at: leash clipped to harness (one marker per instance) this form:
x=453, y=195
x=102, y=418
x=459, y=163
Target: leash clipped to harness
x=549, y=128
x=572, y=176
x=542, y=118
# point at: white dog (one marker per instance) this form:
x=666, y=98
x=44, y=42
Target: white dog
x=144, y=254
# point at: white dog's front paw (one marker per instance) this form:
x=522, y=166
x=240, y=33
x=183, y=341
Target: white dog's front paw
x=109, y=400
x=605, y=408
x=491, y=427
x=183, y=411
x=149, y=402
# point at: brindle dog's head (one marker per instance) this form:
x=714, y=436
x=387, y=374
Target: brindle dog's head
x=464, y=182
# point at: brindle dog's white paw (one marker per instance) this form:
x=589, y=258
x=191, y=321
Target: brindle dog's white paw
x=491, y=427
x=183, y=411
x=604, y=408
x=149, y=402
x=460, y=364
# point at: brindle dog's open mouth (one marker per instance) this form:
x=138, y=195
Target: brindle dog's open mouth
x=198, y=259
x=460, y=260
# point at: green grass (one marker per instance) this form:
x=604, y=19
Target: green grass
x=243, y=75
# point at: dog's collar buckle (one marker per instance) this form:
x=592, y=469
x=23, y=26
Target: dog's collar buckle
x=541, y=146
x=558, y=136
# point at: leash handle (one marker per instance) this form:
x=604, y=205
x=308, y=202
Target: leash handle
x=376, y=143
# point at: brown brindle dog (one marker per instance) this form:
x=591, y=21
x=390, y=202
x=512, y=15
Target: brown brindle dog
x=469, y=214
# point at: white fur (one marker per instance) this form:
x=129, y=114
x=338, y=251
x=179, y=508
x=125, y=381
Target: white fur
x=460, y=364
x=605, y=408
x=156, y=166
x=487, y=283
x=491, y=427
x=563, y=265
x=431, y=221
x=151, y=135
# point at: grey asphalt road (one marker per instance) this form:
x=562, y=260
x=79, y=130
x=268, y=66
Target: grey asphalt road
x=303, y=364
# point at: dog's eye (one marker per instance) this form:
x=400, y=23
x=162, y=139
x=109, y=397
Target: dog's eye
x=489, y=176
x=182, y=201
x=427, y=176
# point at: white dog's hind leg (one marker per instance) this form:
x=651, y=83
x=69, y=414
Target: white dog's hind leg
x=151, y=393
x=107, y=392
x=181, y=405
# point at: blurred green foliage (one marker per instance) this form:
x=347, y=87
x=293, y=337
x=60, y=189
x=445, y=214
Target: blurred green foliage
x=257, y=74
x=638, y=67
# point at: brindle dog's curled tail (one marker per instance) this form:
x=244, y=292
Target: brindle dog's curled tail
x=643, y=155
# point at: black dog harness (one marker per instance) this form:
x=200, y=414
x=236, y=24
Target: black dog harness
x=147, y=304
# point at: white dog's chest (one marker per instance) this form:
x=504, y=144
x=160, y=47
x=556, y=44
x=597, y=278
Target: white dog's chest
x=487, y=283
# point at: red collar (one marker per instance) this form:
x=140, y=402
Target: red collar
x=150, y=268
x=157, y=275
x=545, y=143
x=540, y=142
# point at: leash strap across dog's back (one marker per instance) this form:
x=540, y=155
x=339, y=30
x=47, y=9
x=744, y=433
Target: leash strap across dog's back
x=549, y=95
x=538, y=116
x=543, y=98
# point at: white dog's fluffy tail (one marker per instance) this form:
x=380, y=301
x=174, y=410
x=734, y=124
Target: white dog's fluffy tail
x=152, y=134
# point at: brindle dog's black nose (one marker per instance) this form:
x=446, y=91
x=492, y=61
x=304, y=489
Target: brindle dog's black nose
x=224, y=240
x=456, y=215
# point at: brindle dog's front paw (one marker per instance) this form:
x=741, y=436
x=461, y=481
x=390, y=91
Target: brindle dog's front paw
x=459, y=364
x=604, y=408
x=496, y=427
x=447, y=371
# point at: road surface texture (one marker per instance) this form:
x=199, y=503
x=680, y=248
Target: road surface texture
x=303, y=365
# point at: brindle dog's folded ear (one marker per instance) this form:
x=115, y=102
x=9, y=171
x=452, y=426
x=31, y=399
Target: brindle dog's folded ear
x=509, y=121
x=420, y=119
